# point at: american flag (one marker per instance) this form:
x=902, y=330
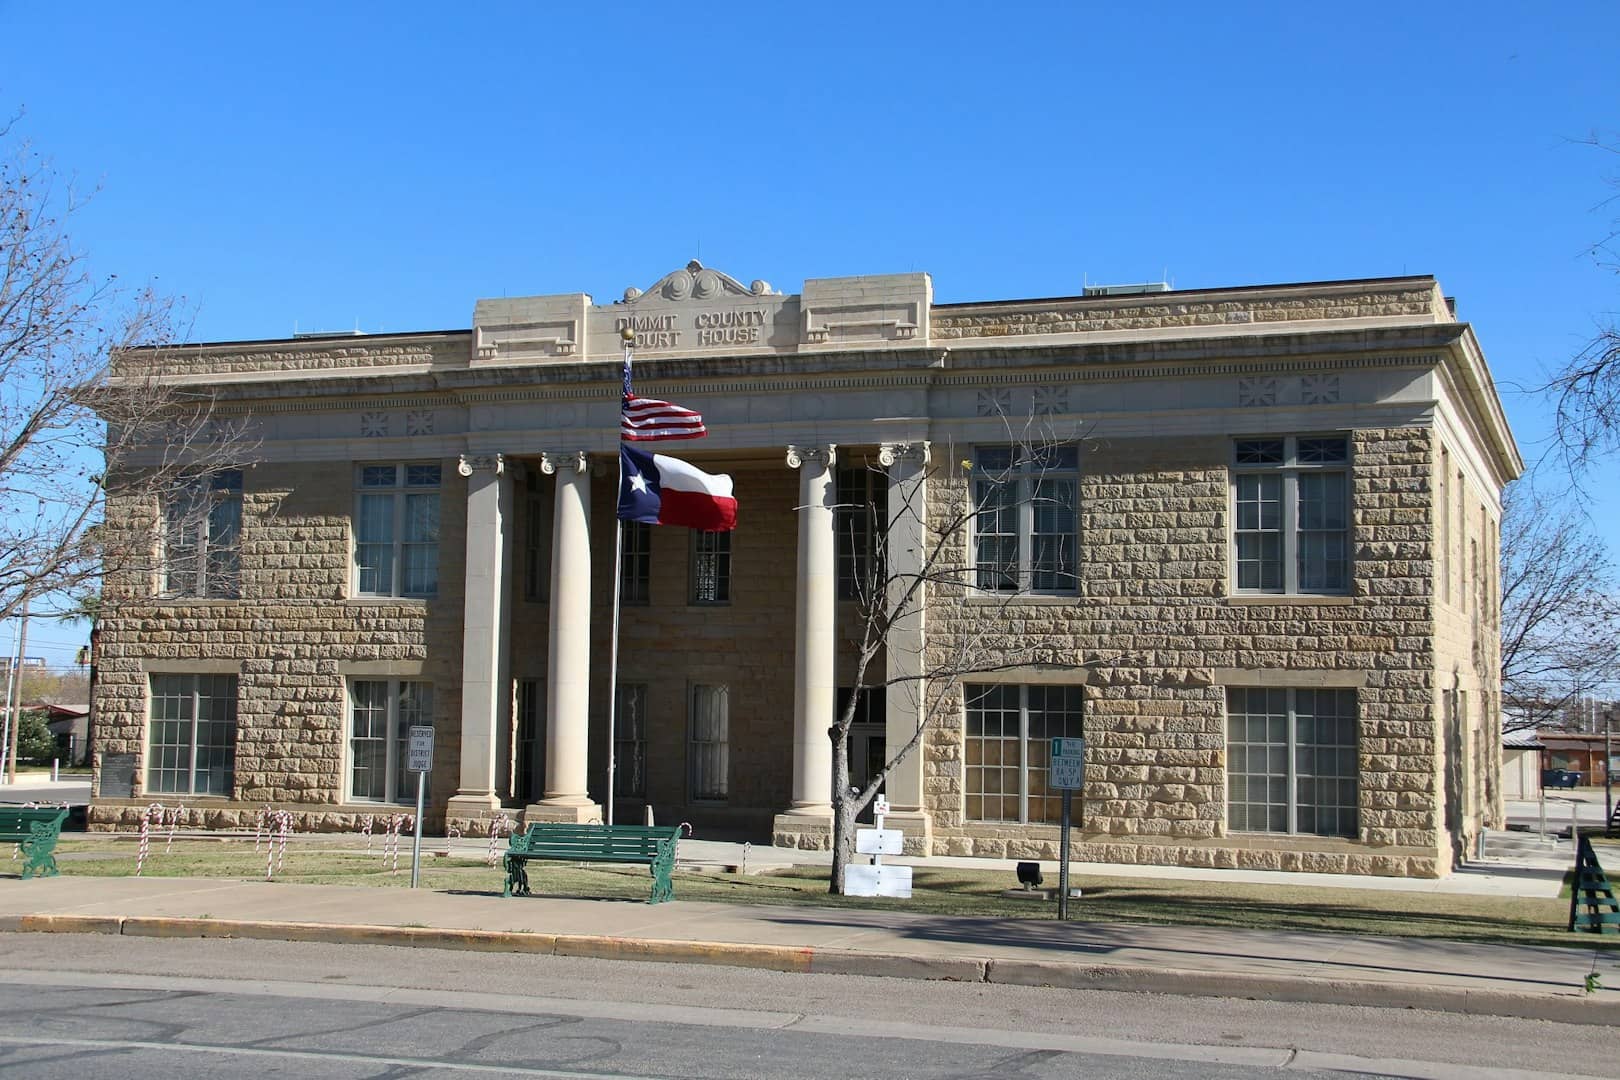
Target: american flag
x=650, y=420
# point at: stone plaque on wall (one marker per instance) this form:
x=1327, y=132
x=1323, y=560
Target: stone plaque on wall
x=117, y=776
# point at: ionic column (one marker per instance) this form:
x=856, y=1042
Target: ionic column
x=484, y=633
x=816, y=605
x=904, y=709
x=568, y=669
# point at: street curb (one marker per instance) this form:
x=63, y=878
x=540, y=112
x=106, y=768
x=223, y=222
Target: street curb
x=1568, y=1008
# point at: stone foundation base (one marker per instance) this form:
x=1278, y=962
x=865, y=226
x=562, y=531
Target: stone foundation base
x=807, y=832
x=584, y=814
x=120, y=816
x=917, y=827
x=1298, y=855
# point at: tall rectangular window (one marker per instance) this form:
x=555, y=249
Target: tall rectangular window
x=860, y=523
x=396, y=542
x=381, y=714
x=1443, y=502
x=1009, y=729
x=191, y=748
x=706, y=744
x=536, y=543
x=1291, y=761
x=630, y=741
x=529, y=751
x=1026, y=528
x=1291, y=521
x=711, y=567
x=635, y=563
x=202, y=538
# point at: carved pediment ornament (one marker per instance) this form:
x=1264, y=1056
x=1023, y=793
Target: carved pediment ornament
x=696, y=282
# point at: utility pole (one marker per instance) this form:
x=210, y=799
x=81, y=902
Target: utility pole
x=1608, y=769
x=16, y=697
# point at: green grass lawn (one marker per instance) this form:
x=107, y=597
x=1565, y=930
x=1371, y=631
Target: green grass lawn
x=943, y=892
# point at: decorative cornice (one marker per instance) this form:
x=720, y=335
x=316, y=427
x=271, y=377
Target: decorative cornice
x=553, y=460
x=825, y=456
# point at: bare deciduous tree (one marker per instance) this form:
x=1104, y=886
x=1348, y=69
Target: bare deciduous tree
x=1560, y=610
x=1586, y=392
x=937, y=569
x=74, y=432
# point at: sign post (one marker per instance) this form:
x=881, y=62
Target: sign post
x=1068, y=774
x=419, y=760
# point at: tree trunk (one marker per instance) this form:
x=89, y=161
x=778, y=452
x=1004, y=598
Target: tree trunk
x=843, y=833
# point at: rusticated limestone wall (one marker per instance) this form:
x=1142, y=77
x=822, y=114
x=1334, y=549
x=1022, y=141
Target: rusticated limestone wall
x=1165, y=641
x=292, y=640
x=1161, y=311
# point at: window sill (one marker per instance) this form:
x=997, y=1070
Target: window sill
x=1306, y=599
x=378, y=601
x=189, y=600
x=983, y=599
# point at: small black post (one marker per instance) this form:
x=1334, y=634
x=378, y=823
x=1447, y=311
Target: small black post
x=1063, y=858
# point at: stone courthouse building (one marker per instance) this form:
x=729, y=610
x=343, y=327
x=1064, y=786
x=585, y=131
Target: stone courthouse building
x=1255, y=543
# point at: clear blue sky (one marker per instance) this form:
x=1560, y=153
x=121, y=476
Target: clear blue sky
x=293, y=166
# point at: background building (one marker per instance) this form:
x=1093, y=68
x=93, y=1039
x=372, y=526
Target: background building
x=1252, y=532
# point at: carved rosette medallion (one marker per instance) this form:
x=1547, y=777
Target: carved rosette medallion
x=1257, y=390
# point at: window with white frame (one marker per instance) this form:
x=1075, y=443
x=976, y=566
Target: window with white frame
x=396, y=541
x=635, y=563
x=1291, y=761
x=630, y=741
x=860, y=522
x=202, y=538
x=1291, y=514
x=1026, y=529
x=381, y=714
x=1008, y=743
x=191, y=739
x=711, y=567
x=706, y=743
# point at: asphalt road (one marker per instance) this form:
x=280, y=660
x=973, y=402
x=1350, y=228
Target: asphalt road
x=72, y=790
x=86, y=1005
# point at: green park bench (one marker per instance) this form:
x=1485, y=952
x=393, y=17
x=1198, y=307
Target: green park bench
x=647, y=845
x=34, y=830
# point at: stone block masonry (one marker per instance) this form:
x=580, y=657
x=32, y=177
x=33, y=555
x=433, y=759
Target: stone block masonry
x=1164, y=641
x=294, y=641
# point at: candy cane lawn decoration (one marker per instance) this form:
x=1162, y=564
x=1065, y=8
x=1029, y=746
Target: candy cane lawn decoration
x=284, y=821
x=365, y=830
x=396, y=822
x=174, y=820
x=496, y=825
x=154, y=812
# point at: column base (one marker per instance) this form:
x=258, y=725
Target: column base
x=587, y=813
x=808, y=828
x=470, y=815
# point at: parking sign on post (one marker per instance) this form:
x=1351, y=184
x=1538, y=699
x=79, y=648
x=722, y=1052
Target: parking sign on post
x=1067, y=773
x=419, y=760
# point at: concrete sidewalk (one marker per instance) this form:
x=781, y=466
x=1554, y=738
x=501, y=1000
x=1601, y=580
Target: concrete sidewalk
x=1541, y=983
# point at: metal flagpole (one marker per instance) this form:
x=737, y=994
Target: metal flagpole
x=613, y=649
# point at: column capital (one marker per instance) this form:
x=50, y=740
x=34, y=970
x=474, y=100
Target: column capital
x=471, y=463
x=553, y=460
x=826, y=456
x=891, y=452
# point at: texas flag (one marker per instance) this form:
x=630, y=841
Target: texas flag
x=662, y=490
